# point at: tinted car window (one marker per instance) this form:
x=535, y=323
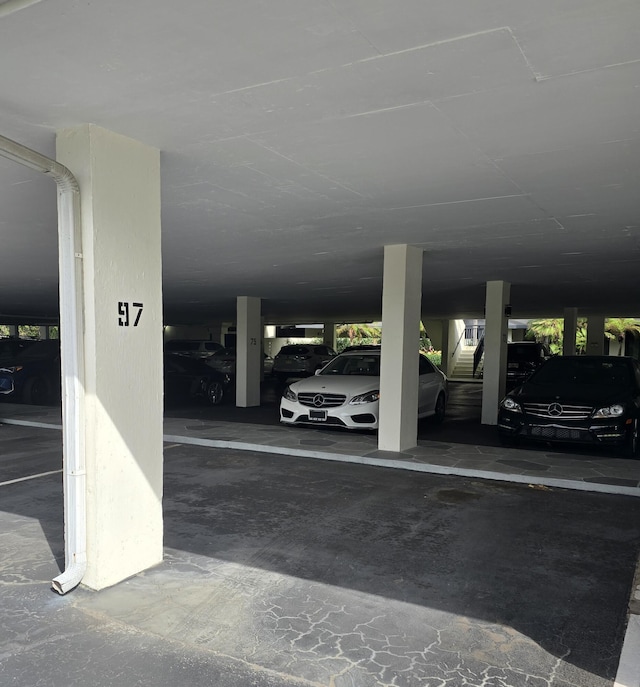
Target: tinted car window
x=525, y=352
x=426, y=367
x=365, y=365
x=294, y=350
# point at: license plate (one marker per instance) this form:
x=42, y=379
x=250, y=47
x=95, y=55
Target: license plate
x=318, y=415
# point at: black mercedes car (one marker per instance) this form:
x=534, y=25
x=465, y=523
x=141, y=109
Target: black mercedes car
x=588, y=399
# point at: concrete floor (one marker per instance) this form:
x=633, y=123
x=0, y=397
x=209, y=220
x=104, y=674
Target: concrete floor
x=310, y=558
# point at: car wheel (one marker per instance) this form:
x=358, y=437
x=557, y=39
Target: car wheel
x=215, y=393
x=36, y=391
x=440, y=409
x=631, y=447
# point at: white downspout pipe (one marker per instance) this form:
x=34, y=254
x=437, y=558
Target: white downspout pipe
x=72, y=358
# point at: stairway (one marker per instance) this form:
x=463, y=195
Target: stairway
x=464, y=365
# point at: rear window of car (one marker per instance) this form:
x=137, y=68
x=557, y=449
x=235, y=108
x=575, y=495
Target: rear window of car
x=295, y=350
x=525, y=352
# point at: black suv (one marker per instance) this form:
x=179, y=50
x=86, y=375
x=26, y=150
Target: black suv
x=523, y=359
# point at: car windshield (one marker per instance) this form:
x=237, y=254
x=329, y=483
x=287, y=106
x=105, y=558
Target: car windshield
x=523, y=353
x=365, y=365
x=607, y=372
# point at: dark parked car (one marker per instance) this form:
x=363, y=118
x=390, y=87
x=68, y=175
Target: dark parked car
x=301, y=360
x=587, y=399
x=11, y=347
x=187, y=379
x=523, y=359
x=194, y=348
x=33, y=376
x=224, y=360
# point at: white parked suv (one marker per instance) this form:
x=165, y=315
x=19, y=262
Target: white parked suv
x=345, y=393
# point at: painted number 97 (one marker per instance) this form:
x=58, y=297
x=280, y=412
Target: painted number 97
x=124, y=316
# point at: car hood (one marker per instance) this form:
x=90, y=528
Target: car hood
x=571, y=394
x=349, y=385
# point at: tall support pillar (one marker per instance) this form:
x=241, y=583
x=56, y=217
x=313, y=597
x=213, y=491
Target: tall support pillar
x=248, y=351
x=570, y=331
x=595, y=335
x=329, y=335
x=120, y=187
x=401, y=299
x=495, y=349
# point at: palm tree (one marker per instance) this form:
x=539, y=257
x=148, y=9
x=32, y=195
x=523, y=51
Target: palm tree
x=552, y=331
x=615, y=328
x=358, y=333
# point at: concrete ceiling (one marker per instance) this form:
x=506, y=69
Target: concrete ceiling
x=299, y=137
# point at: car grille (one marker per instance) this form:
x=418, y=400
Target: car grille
x=318, y=400
x=558, y=411
x=560, y=433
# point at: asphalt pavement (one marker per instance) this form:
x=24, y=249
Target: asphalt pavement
x=286, y=571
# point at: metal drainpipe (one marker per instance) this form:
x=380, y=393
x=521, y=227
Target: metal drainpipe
x=72, y=358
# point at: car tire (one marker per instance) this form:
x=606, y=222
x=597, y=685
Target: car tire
x=36, y=391
x=215, y=393
x=440, y=409
x=631, y=448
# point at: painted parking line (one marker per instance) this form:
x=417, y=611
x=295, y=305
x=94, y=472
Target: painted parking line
x=29, y=477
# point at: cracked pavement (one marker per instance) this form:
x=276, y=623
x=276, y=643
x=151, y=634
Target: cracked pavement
x=286, y=571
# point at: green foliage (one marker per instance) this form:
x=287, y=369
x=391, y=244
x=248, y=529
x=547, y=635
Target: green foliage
x=435, y=357
x=552, y=330
x=29, y=331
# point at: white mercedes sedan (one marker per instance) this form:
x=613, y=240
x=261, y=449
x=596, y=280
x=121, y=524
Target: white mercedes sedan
x=345, y=393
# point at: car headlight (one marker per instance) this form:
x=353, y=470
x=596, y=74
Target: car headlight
x=369, y=397
x=290, y=395
x=509, y=404
x=615, y=410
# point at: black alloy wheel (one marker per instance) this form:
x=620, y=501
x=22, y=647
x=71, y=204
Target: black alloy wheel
x=36, y=391
x=215, y=393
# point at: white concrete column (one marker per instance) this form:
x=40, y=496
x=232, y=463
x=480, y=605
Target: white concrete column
x=495, y=350
x=44, y=332
x=13, y=330
x=248, y=351
x=329, y=334
x=570, y=331
x=120, y=190
x=595, y=335
x=401, y=299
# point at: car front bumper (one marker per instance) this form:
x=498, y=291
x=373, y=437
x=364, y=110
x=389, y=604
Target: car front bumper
x=362, y=416
x=602, y=432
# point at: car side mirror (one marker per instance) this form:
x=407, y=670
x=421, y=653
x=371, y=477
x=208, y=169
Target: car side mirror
x=317, y=372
